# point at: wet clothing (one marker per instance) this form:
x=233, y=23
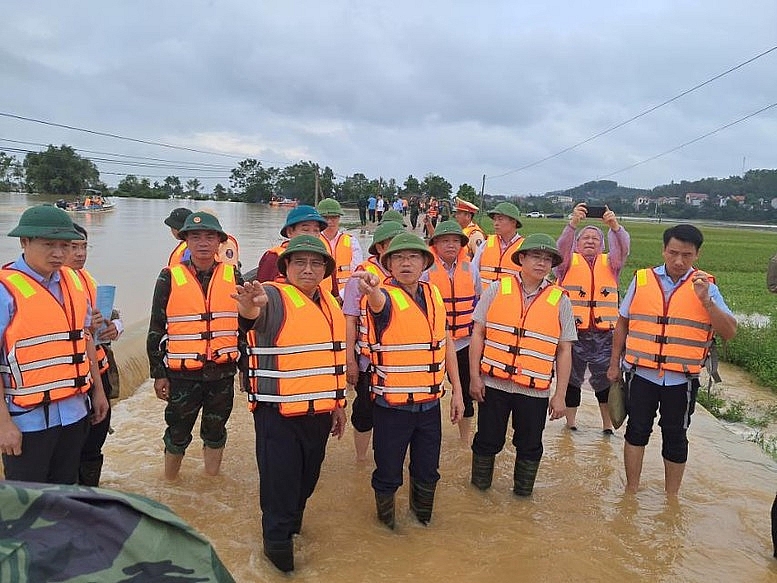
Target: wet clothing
x=52, y=435
x=209, y=388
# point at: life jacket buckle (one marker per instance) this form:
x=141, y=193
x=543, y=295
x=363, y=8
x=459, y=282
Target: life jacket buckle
x=434, y=367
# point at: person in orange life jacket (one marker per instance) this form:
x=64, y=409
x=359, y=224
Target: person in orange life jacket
x=523, y=328
x=343, y=247
x=175, y=221
x=45, y=411
x=591, y=275
x=411, y=350
x=297, y=385
x=301, y=220
x=193, y=345
x=357, y=359
x=452, y=275
x=463, y=213
x=664, y=332
x=493, y=259
x=91, y=454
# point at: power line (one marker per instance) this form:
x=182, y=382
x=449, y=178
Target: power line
x=708, y=134
x=115, y=136
x=639, y=115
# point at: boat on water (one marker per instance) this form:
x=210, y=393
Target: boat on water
x=283, y=202
x=91, y=201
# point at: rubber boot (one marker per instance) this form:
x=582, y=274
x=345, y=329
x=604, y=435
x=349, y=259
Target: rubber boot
x=524, y=474
x=385, y=506
x=89, y=472
x=212, y=458
x=172, y=465
x=281, y=554
x=482, y=471
x=422, y=500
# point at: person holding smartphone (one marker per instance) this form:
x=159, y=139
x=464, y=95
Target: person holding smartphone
x=591, y=277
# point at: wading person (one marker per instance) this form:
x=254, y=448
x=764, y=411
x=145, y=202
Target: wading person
x=664, y=333
x=590, y=276
x=357, y=350
x=410, y=353
x=452, y=274
x=493, y=258
x=175, y=221
x=343, y=247
x=47, y=357
x=523, y=329
x=301, y=220
x=104, y=331
x=192, y=345
x=296, y=386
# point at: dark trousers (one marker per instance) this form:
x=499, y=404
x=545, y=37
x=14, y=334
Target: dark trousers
x=528, y=415
x=372, y=215
x=97, y=434
x=394, y=431
x=51, y=456
x=462, y=358
x=289, y=453
x=187, y=398
x=675, y=405
x=361, y=412
x=362, y=216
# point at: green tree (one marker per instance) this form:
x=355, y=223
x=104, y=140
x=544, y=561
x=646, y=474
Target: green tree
x=468, y=193
x=412, y=186
x=60, y=171
x=193, y=186
x=298, y=181
x=219, y=192
x=6, y=165
x=130, y=185
x=253, y=182
x=173, y=187
x=436, y=186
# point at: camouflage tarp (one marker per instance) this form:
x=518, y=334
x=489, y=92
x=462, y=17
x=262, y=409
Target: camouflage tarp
x=76, y=534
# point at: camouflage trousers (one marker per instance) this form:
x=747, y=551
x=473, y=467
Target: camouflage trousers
x=187, y=398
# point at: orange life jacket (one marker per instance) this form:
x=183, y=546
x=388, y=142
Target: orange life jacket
x=343, y=255
x=674, y=334
x=44, y=346
x=201, y=327
x=458, y=294
x=408, y=360
x=593, y=292
x=177, y=255
x=303, y=368
x=495, y=264
x=373, y=266
x=278, y=249
x=521, y=343
x=91, y=290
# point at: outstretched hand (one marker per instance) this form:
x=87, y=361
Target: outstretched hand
x=368, y=282
x=251, y=298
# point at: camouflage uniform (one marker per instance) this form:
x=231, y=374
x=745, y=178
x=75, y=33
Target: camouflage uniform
x=210, y=388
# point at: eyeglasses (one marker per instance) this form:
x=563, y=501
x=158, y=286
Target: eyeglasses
x=303, y=263
x=403, y=257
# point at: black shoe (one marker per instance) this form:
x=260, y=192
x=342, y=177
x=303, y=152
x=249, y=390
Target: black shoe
x=281, y=554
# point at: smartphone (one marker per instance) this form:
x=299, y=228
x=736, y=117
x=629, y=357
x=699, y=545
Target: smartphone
x=595, y=212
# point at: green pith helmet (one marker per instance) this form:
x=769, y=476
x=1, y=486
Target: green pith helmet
x=507, y=209
x=449, y=228
x=384, y=232
x=177, y=218
x=201, y=221
x=310, y=244
x=301, y=214
x=407, y=242
x=46, y=222
x=329, y=207
x=540, y=242
x=392, y=215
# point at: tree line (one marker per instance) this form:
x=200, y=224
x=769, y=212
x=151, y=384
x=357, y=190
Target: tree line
x=62, y=171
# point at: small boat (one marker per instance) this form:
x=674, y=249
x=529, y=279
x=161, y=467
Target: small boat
x=283, y=202
x=92, y=201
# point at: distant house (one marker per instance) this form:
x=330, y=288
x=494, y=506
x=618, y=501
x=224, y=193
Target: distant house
x=561, y=199
x=696, y=198
x=737, y=199
x=667, y=200
x=643, y=201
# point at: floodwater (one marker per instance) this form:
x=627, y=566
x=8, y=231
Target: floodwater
x=578, y=525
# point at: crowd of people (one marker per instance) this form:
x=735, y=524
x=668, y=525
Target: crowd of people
x=512, y=326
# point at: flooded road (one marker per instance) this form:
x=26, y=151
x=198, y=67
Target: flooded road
x=578, y=525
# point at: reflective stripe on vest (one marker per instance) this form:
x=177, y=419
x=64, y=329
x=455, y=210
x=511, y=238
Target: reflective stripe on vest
x=91, y=287
x=520, y=343
x=302, y=367
x=201, y=327
x=495, y=264
x=44, y=346
x=343, y=255
x=593, y=292
x=458, y=294
x=408, y=360
x=177, y=255
x=672, y=334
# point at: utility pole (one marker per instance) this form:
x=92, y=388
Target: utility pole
x=483, y=195
x=317, y=193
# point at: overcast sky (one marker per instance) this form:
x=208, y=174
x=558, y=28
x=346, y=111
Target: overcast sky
x=459, y=89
